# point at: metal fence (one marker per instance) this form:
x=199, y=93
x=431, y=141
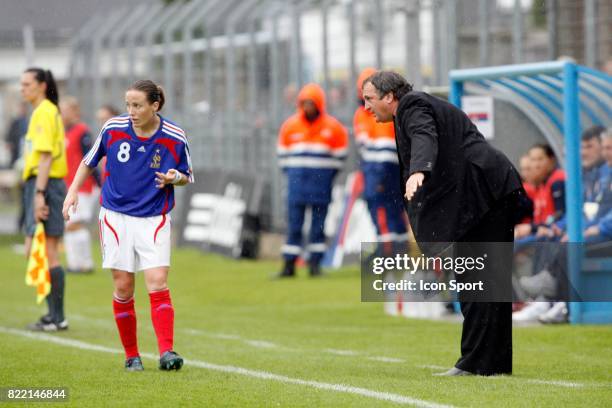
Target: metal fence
x=231, y=68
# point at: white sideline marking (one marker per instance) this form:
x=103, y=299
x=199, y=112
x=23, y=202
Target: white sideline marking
x=264, y=375
x=387, y=359
x=433, y=367
x=557, y=383
x=349, y=353
x=222, y=336
x=261, y=344
x=341, y=352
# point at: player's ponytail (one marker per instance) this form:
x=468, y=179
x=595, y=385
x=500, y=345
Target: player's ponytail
x=46, y=76
x=162, y=97
x=154, y=92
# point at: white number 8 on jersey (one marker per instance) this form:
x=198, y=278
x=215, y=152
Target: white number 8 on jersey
x=124, y=152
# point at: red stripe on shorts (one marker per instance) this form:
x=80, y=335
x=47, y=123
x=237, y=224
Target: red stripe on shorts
x=111, y=228
x=161, y=224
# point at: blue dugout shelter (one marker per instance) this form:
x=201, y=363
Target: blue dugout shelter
x=561, y=98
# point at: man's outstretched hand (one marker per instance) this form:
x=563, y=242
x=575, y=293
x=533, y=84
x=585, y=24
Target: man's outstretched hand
x=412, y=185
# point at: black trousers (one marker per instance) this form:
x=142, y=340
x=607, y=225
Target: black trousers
x=486, y=340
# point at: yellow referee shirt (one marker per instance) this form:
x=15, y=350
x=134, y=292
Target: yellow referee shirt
x=45, y=134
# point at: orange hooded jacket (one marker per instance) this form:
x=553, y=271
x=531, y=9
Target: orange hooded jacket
x=311, y=153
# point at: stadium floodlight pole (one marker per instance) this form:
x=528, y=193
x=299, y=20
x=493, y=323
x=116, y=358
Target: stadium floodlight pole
x=484, y=35
x=553, y=34
x=590, y=33
x=209, y=20
x=436, y=53
x=151, y=33
x=517, y=32
x=412, y=64
x=99, y=37
x=170, y=52
x=78, y=65
x=195, y=21
x=379, y=26
x=297, y=72
x=136, y=31
x=75, y=49
x=325, y=46
x=444, y=34
x=114, y=42
x=296, y=45
x=235, y=17
x=452, y=35
x=275, y=107
x=352, y=64
x=259, y=13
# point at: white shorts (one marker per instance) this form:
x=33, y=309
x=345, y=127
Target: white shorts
x=134, y=244
x=85, y=208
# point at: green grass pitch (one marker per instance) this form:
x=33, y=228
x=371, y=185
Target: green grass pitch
x=250, y=341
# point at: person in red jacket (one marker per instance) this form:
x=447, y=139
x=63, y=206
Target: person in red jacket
x=77, y=240
x=312, y=146
x=548, y=196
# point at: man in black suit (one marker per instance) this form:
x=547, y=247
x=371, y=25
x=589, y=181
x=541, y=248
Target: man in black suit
x=458, y=189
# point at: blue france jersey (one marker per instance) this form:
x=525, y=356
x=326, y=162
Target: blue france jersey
x=131, y=164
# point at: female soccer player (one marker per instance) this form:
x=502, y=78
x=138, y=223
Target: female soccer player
x=44, y=170
x=147, y=155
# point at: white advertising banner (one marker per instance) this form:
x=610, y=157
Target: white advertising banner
x=480, y=111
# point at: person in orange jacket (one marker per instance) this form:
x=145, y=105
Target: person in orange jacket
x=312, y=147
x=380, y=167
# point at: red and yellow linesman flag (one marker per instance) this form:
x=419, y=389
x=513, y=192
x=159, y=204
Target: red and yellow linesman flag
x=38, y=265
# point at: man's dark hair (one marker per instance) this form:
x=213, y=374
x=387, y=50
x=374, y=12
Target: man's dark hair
x=389, y=82
x=594, y=132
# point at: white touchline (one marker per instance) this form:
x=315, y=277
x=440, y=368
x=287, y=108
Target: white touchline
x=558, y=383
x=261, y=343
x=264, y=375
x=387, y=359
x=264, y=344
x=349, y=353
x=434, y=367
x=341, y=352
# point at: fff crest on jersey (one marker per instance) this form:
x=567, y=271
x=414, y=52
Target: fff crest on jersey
x=155, y=163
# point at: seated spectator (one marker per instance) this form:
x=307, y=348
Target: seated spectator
x=548, y=196
x=551, y=281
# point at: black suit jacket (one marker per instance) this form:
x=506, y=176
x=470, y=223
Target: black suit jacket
x=464, y=175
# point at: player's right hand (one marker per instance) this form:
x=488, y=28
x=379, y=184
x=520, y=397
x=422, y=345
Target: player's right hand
x=71, y=201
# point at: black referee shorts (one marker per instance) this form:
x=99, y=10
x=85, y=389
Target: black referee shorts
x=54, y=197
